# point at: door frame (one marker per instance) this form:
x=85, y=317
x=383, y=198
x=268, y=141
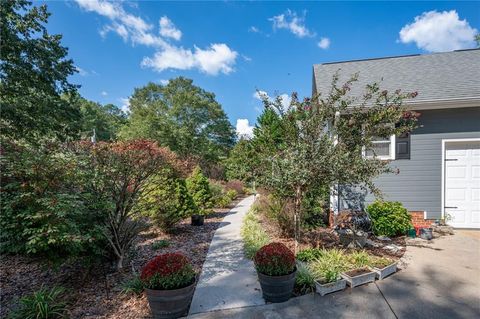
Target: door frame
x=444, y=142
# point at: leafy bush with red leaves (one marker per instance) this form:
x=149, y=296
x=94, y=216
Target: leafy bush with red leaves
x=275, y=259
x=236, y=185
x=167, y=272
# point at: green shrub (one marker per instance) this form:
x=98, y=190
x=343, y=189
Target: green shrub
x=216, y=190
x=162, y=243
x=304, y=280
x=220, y=197
x=167, y=200
x=42, y=304
x=44, y=213
x=314, y=208
x=389, y=218
x=231, y=194
x=132, y=286
x=199, y=188
x=309, y=254
x=254, y=236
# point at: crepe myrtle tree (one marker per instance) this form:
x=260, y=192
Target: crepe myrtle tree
x=116, y=174
x=320, y=142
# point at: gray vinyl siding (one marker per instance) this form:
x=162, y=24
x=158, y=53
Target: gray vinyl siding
x=418, y=184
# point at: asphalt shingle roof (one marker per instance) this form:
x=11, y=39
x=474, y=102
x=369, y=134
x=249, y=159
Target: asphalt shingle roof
x=438, y=76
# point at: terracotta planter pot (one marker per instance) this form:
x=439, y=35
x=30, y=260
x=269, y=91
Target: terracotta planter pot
x=197, y=220
x=277, y=288
x=168, y=304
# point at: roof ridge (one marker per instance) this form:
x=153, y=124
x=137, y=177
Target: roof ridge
x=397, y=56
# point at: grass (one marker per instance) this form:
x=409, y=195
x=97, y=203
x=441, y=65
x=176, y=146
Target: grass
x=162, y=243
x=133, y=286
x=326, y=265
x=254, y=236
x=304, y=280
x=42, y=304
x=309, y=254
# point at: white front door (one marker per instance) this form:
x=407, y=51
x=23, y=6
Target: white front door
x=462, y=184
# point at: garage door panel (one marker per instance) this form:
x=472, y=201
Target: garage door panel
x=476, y=171
x=457, y=171
x=476, y=217
x=462, y=181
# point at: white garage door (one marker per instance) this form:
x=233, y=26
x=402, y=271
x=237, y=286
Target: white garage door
x=462, y=183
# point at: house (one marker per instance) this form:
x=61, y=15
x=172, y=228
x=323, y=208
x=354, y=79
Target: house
x=439, y=162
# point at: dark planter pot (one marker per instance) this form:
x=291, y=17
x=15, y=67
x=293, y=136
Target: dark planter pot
x=168, y=304
x=197, y=220
x=277, y=288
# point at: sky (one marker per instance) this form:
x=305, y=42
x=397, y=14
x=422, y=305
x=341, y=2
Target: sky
x=242, y=51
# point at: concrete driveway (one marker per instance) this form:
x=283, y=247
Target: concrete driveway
x=441, y=280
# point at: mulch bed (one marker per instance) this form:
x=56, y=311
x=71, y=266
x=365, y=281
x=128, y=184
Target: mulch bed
x=324, y=237
x=95, y=291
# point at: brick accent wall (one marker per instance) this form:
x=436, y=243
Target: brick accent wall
x=419, y=221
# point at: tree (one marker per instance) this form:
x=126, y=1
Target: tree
x=34, y=73
x=241, y=162
x=116, y=174
x=199, y=188
x=477, y=39
x=166, y=199
x=319, y=143
x=106, y=120
x=183, y=117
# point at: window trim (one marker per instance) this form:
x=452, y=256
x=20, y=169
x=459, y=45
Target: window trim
x=389, y=157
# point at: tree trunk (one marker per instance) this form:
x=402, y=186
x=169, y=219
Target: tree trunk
x=297, y=215
x=120, y=263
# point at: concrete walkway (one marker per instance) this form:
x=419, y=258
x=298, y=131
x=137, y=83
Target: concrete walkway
x=441, y=280
x=228, y=280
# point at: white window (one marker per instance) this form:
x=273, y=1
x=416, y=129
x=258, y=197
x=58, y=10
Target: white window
x=382, y=148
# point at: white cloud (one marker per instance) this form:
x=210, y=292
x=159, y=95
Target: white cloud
x=218, y=58
x=253, y=29
x=104, y=93
x=292, y=22
x=215, y=59
x=81, y=71
x=324, y=43
x=125, y=104
x=164, y=81
x=260, y=95
x=168, y=29
x=244, y=129
x=439, y=31
x=285, y=98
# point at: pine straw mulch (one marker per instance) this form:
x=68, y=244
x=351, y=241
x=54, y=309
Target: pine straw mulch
x=95, y=291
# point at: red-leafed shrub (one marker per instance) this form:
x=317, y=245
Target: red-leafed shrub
x=275, y=259
x=168, y=271
x=236, y=185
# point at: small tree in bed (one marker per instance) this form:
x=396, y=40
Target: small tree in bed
x=320, y=142
x=115, y=176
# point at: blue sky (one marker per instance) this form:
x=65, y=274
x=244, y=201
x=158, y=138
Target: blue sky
x=236, y=48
